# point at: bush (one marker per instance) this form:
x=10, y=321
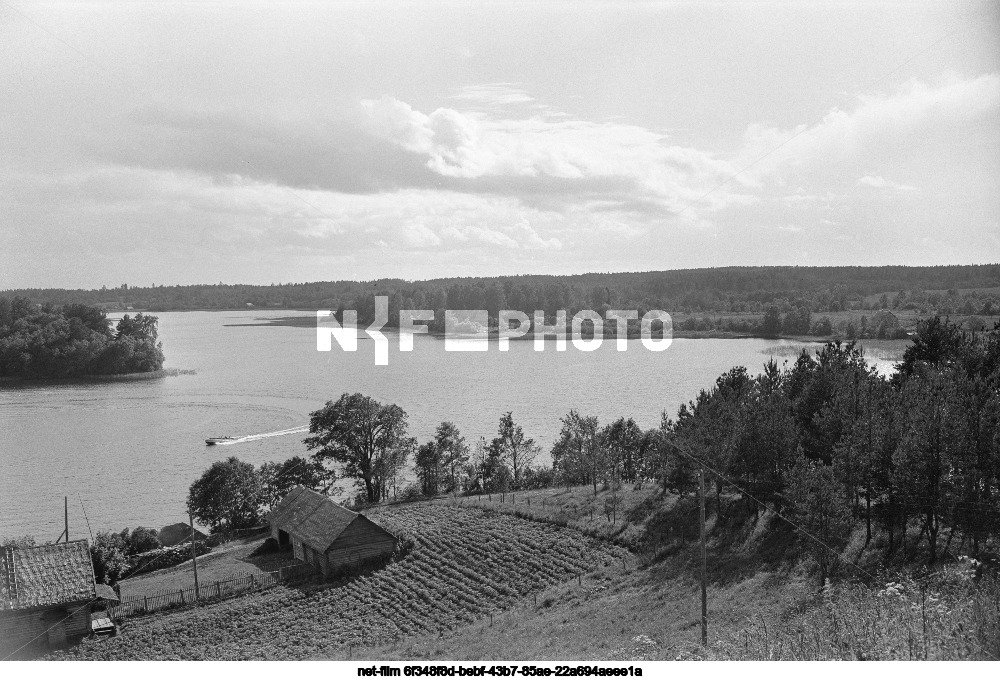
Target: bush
x=142, y=539
x=162, y=558
x=109, y=554
x=411, y=492
x=18, y=542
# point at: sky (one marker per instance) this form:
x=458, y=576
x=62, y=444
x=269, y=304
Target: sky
x=180, y=142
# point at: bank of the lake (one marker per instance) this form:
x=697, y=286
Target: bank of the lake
x=126, y=452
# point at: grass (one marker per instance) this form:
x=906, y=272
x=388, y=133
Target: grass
x=944, y=615
x=224, y=562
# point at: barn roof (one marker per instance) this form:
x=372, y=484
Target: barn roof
x=311, y=517
x=53, y=574
x=175, y=534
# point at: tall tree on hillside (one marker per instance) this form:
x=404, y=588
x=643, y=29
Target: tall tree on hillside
x=930, y=450
x=516, y=450
x=428, y=468
x=622, y=441
x=227, y=496
x=278, y=479
x=763, y=441
x=366, y=437
x=578, y=455
x=822, y=509
x=454, y=453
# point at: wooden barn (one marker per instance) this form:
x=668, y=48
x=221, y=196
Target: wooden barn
x=325, y=534
x=46, y=594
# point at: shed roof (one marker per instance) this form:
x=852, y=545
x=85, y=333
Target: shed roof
x=311, y=517
x=107, y=593
x=53, y=574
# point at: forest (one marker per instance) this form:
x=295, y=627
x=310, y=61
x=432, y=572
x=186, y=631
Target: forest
x=765, y=301
x=73, y=340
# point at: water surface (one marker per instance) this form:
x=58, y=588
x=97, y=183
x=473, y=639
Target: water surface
x=126, y=453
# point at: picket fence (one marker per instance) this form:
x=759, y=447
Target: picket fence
x=242, y=582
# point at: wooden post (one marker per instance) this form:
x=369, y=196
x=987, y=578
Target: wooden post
x=194, y=556
x=66, y=515
x=704, y=559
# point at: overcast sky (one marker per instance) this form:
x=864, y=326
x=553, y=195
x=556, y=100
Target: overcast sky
x=202, y=142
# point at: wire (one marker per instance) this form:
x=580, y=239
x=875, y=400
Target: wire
x=86, y=518
x=254, y=496
x=46, y=631
x=795, y=525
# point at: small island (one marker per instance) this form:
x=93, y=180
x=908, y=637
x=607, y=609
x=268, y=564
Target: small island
x=75, y=341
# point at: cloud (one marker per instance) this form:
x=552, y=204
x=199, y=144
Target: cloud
x=383, y=184
x=336, y=155
x=494, y=95
x=916, y=117
x=880, y=182
x=563, y=160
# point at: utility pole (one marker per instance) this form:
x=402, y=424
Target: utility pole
x=194, y=556
x=66, y=515
x=704, y=558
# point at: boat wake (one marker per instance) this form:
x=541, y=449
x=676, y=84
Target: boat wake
x=254, y=437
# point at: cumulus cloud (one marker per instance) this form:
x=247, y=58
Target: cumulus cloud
x=565, y=157
x=880, y=127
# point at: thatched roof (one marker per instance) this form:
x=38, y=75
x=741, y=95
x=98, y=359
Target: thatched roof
x=59, y=573
x=311, y=517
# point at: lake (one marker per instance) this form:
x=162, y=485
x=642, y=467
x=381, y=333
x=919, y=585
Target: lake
x=126, y=453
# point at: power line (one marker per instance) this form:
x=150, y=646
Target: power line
x=86, y=518
x=46, y=631
x=795, y=525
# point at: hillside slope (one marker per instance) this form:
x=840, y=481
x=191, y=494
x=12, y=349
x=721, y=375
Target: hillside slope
x=464, y=564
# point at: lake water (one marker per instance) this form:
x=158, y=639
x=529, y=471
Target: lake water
x=126, y=453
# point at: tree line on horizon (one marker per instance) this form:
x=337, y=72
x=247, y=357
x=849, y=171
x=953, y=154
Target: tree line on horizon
x=952, y=289
x=827, y=442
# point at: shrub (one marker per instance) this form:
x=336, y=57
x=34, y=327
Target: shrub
x=162, y=558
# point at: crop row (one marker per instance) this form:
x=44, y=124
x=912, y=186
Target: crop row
x=464, y=564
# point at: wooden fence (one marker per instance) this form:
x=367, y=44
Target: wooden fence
x=243, y=582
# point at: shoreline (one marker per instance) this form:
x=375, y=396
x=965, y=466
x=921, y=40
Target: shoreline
x=310, y=322
x=97, y=378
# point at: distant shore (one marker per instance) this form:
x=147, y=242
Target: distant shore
x=609, y=333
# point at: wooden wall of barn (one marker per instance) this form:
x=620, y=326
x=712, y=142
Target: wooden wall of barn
x=41, y=628
x=362, y=540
